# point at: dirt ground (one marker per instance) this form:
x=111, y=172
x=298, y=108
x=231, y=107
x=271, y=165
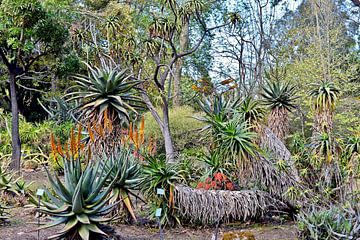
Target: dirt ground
x=23, y=225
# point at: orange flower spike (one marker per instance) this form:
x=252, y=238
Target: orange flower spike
x=142, y=130
x=171, y=197
x=91, y=134
x=89, y=154
x=67, y=150
x=131, y=131
x=52, y=143
x=78, y=139
x=136, y=139
x=72, y=142
x=59, y=148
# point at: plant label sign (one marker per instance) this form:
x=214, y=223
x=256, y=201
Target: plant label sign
x=158, y=212
x=160, y=191
x=40, y=192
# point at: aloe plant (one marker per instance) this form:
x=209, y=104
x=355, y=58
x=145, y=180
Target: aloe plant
x=81, y=202
x=107, y=88
x=125, y=174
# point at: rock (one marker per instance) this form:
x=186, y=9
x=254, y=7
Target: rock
x=238, y=235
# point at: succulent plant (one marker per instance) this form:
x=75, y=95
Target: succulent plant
x=125, y=174
x=81, y=202
x=6, y=181
x=280, y=98
x=107, y=88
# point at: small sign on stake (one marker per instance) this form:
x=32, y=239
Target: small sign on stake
x=160, y=191
x=40, y=192
x=158, y=212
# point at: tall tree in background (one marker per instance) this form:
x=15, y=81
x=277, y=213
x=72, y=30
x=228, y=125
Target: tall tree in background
x=27, y=33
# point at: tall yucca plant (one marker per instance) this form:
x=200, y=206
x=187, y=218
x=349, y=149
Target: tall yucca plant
x=280, y=98
x=109, y=89
x=325, y=96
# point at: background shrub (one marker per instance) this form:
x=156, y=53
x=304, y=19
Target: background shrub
x=184, y=128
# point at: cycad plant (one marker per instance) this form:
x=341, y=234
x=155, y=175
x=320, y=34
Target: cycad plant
x=280, y=98
x=125, y=174
x=80, y=202
x=325, y=96
x=109, y=90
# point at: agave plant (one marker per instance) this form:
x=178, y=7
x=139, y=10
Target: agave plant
x=125, y=174
x=325, y=96
x=109, y=89
x=80, y=203
x=279, y=97
x=61, y=112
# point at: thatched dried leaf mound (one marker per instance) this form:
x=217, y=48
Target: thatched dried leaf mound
x=211, y=206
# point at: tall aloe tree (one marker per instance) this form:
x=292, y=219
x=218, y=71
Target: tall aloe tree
x=324, y=96
x=280, y=98
x=107, y=92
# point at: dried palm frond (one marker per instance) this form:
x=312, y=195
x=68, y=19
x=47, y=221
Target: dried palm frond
x=212, y=206
x=269, y=141
x=262, y=171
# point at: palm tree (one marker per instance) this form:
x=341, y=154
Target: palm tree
x=325, y=96
x=280, y=98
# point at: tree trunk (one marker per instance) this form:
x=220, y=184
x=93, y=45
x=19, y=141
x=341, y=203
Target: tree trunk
x=15, y=136
x=169, y=146
x=184, y=41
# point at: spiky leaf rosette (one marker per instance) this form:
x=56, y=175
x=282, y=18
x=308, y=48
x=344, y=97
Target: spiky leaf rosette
x=160, y=174
x=280, y=98
x=80, y=202
x=236, y=140
x=324, y=96
x=217, y=110
x=107, y=88
x=125, y=174
x=252, y=110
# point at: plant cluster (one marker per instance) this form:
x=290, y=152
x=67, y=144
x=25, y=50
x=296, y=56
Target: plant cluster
x=218, y=182
x=333, y=223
